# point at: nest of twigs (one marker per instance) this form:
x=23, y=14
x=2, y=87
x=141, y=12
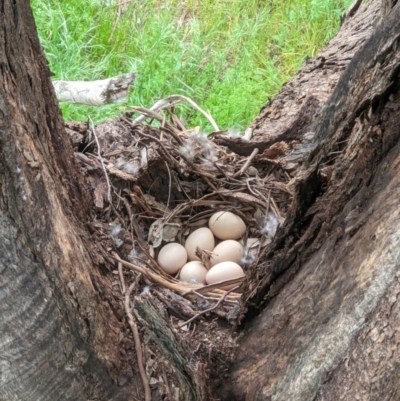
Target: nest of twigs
x=156, y=183
x=152, y=185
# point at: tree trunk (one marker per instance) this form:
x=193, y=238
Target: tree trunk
x=58, y=337
x=330, y=282
x=319, y=315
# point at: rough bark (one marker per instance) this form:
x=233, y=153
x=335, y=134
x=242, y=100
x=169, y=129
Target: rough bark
x=157, y=324
x=290, y=114
x=57, y=335
x=330, y=284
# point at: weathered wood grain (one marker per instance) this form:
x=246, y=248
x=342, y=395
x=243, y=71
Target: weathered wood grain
x=330, y=328
x=57, y=337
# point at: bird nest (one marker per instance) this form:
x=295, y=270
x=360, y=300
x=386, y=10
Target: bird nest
x=155, y=184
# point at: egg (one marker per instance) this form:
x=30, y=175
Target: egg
x=226, y=225
x=172, y=257
x=225, y=251
x=202, y=238
x=193, y=272
x=224, y=271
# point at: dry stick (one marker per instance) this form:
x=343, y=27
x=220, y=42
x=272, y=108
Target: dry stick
x=247, y=164
x=207, y=298
x=176, y=286
x=175, y=119
x=101, y=161
x=167, y=388
x=138, y=345
x=210, y=309
x=172, y=100
x=121, y=278
x=270, y=200
x=173, y=134
x=275, y=207
x=154, y=276
x=169, y=187
x=83, y=151
x=231, y=179
x=263, y=236
x=257, y=193
x=152, y=114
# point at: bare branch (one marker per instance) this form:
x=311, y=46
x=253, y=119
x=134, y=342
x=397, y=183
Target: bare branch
x=95, y=93
x=174, y=99
x=138, y=346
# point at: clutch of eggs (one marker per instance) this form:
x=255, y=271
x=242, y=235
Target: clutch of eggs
x=225, y=257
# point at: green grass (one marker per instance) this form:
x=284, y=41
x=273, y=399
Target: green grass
x=230, y=56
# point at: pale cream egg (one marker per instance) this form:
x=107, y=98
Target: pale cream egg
x=202, y=238
x=226, y=225
x=224, y=271
x=227, y=251
x=193, y=272
x=172, y=257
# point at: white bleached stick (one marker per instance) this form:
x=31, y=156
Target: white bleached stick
x=95, y=93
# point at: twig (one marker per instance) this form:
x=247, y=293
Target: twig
x=175, y=119
x=152, y=114
x=265, y=222
x=169, y=187
x=173, y=134
x=138, y=345
x=210, y=309
x=207, y=298
x=268, y=204
x=275, y=207
x=102, y=162
x=167, y=388
x=177, y=286
x=174, y=99
x=121, y=278
x=247, y=164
